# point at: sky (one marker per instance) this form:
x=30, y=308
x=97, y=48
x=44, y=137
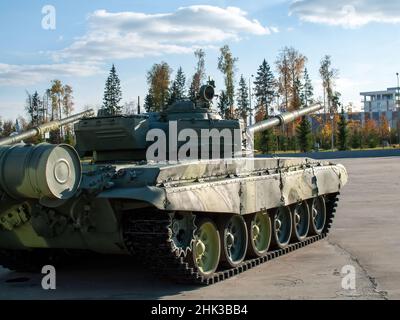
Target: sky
x=78, y=41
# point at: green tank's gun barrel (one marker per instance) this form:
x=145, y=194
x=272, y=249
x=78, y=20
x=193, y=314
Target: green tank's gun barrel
x=46, y=127
x=283, y=118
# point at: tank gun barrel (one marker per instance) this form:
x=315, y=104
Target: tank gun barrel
x=283, y=118
x=46, y=127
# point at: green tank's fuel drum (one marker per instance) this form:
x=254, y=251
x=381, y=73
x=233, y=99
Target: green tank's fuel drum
x=41, y=171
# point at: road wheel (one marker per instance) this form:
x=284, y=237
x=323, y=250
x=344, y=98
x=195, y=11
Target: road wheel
x=259, y=230
x=206, y=248
x=234, y=241
x=317, y=216
x=301, y=221
x=282, y=227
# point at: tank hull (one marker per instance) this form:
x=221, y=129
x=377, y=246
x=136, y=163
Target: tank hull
x=92, y=220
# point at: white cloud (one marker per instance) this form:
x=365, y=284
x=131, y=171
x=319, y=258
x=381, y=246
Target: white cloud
x=123, y=35
x=347, y=13
x=131, y=34
x=98, y=46
x=274, y=29
x=22, y=75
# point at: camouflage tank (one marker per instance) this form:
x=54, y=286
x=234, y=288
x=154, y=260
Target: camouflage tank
x=163, y=188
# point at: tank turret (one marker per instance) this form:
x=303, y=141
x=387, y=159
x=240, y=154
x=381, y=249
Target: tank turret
x=124, y=138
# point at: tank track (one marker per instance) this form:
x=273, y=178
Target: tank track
x=147, y=237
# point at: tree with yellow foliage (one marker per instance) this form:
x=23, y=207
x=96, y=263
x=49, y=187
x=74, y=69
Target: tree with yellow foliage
x=326, y=134
x=371, y=133
x=384, y=128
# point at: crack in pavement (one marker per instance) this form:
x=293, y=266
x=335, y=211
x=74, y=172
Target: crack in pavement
x=372, y=280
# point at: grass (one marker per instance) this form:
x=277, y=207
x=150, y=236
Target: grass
x=393, y=147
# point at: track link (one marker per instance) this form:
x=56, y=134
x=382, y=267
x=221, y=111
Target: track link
x=148, y=238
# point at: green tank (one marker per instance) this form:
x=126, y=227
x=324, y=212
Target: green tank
x=179, y=190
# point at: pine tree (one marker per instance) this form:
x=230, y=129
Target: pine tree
x=177, y=90
x=356, y=139
x=304, y=137
x=243, y=104
x=343, y=135
x=307, y=92
x=149, y=101
x=223, y=105
x=267, y=141
x=33, y=107
x=112, y=93
x=265, y=93
x=265, y=88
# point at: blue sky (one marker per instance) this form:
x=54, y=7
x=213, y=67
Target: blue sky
x=362, y=36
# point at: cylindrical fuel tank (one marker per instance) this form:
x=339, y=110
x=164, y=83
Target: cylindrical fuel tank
x=40, y=171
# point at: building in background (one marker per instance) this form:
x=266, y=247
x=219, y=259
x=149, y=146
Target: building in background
x=380, y=101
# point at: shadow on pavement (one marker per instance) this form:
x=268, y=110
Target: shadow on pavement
x=107, y=277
